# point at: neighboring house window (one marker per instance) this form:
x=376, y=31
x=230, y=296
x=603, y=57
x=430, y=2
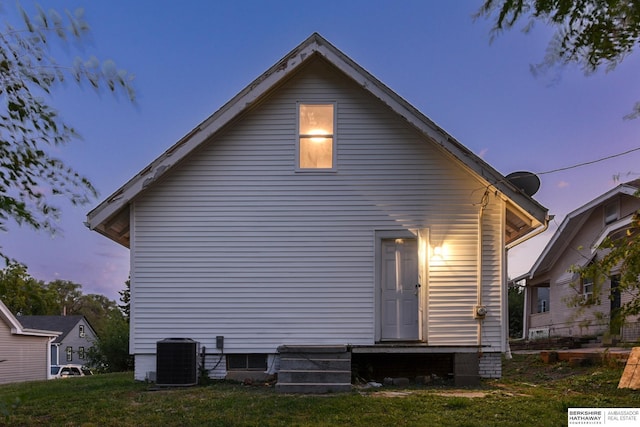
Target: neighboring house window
x=247, y=362
x=543, y=300
x=316, y=139
x=69, y=354
x=611, y=213
x=81, y=354
x=587, y=288
x=81, y=330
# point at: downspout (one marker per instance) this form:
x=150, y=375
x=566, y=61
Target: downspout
x=525, y=320
x=49, y=342
x=525, y=317
x=479, y=272
x=526, y=237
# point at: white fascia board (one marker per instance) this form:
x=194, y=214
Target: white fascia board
x=9, y=318
x=17, y=329
x=264, y=83
x=620, y=189
x=610, y=229
x=400, y=106
x=553, y=241
x=40, y=333
x=197, y=136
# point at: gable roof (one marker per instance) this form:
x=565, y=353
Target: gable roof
x=574, y=221
x=111, y=217
x=64, y=324
x=18, y=329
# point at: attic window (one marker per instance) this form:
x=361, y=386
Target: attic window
x=587, y=288
x=611, y=213
x=316, y=139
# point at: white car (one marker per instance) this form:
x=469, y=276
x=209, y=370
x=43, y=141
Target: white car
x=65, y=371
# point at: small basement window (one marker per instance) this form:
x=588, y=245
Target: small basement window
x=316, y=139
x=247, y=362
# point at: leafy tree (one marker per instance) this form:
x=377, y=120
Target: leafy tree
x=23, y=294
x=67, y=296
x=516, y=309
x=110, y=352
x=589, y=33
x=30, y=128
x=97, y=309
x=125, y=299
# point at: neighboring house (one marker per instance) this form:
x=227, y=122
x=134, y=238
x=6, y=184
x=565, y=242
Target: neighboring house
x=318, y=208
x=24, y=352
x=550, y=284
x=72, y=344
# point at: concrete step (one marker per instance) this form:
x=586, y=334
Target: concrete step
x=339, y=348
x=313, y=387
x=314, y=369
x=315, y=355
x=289, y=363
x=312, y=377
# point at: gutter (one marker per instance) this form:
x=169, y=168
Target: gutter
x=526, y=237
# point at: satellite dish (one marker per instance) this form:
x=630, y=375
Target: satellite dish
x=527, y=182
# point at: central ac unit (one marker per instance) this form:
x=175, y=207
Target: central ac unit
x=177, y=362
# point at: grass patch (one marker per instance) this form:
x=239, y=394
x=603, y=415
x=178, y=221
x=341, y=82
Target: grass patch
x=530, y=393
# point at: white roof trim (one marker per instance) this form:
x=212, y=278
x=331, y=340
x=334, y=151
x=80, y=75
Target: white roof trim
x=620, y=189
x=315, y=44
x=610, y=229
x=16, y=327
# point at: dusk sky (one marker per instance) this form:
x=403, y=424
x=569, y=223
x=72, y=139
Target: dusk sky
x=191, y=57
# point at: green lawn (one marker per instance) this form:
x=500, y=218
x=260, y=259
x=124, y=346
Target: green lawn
x=529, y=394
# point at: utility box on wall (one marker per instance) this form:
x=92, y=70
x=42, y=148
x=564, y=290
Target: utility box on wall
x=177, y=362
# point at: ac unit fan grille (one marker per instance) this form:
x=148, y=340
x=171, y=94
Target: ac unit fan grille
x=176, y=362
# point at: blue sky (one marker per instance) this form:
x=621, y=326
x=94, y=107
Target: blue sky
x=191, y=57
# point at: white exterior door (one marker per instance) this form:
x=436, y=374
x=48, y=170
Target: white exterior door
x=399, y=289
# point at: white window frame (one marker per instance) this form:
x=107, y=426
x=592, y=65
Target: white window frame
x=543, y=303
x=81, y=332
x=611, y=212
x=587, y=289
x=333, y=137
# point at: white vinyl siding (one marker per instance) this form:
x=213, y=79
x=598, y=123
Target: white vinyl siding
x=24, y=358
x=453, y=283
x=233, y=242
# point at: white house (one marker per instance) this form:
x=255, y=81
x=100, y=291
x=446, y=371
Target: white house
x=24, y=352
x=317, y=207
x=551, y=284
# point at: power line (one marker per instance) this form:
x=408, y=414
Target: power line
x=589, y=163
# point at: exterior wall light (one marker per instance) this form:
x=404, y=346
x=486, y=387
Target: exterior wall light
x=437, y=253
